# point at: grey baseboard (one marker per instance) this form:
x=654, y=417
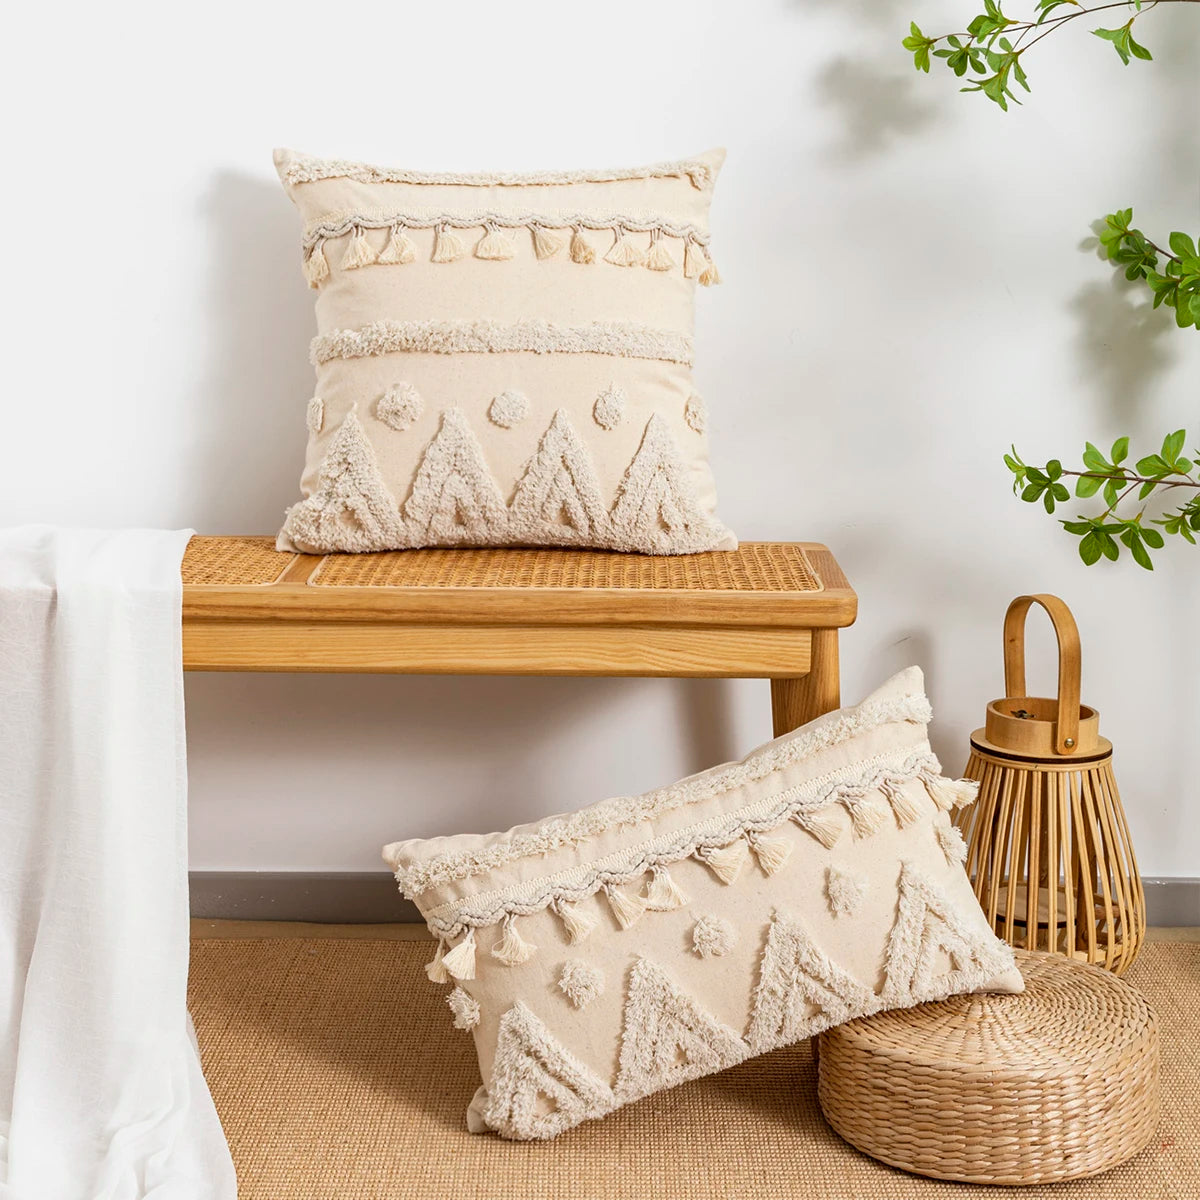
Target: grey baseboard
x=332, y=897
x=369, y=897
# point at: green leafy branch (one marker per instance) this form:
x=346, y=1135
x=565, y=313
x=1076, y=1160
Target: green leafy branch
x=1101, y=536
x=993, y=45
x=1177, y=286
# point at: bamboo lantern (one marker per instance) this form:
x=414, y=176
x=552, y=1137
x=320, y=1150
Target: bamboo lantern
x=1048, y=845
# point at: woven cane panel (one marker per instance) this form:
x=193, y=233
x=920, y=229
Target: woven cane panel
x=233, y=562
x=763, y=567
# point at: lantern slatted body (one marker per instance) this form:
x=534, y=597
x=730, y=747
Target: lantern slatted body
x=1049, y=851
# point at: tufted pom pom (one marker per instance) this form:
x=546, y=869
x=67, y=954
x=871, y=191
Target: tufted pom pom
x=713, y=936
x=400, y=248
x=508, y=409
x=609, y=409
x=400, y=406
x=460, y=961
x=580, y=982
x=465, y=1009
x=953, y=846
x=844, y=891
x=314, y=415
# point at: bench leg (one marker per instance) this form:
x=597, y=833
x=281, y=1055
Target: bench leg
x=795, y=702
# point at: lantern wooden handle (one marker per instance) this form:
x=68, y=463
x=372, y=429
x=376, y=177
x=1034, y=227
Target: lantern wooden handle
x=1066, y=729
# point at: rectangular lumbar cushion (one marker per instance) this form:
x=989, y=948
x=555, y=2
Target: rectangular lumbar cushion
x=600, y=956
x=504, y=359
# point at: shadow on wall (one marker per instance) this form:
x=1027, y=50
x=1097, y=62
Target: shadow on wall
x=251, y=438
x=1124, y=345
x=330, y=767
x=874, y=93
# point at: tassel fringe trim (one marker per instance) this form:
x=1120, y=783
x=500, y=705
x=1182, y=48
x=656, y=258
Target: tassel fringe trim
x=548, y=234
x=822, y=814
x=868, y=805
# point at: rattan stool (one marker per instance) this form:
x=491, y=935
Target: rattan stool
x=1054, y=1084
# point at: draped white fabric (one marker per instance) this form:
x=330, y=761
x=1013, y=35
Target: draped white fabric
x=101, y=1092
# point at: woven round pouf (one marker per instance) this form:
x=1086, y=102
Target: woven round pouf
x=1057, y=1083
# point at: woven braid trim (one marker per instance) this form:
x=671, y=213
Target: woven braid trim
x=339, y=224
x=620, y=339
x=577, y=883
x=303, y=168
x=827, y=731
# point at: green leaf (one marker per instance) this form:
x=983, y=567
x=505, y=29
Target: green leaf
x=1182, y=245
x=1054, y=469
x=1089, y=549
x=1087, y=485
x=1120, y=450
x=1138, y=51
x=1032, y=492
x=1152, y=538
x=1173, y=445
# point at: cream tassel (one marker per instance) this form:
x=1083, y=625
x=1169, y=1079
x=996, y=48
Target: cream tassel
x=867, y=813
x=316, y=268
x=658, y=257
x=582, y=251
x=664, y=894
x=358, y=253
x=447, y=246
x=495, y=245
x=824, y=825
x=512, y=948
x=949, y=794
x=576, y=921
x=727, y=862
x=903, y=805
x=436, y=970
x=772, y=852
x=710, y=275
x=623, y=253
x=627, y=909
x=694, y=259
x=460, y=961
x=399, y=249
x=546, y=243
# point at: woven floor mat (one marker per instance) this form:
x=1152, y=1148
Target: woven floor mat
x=338, y=1076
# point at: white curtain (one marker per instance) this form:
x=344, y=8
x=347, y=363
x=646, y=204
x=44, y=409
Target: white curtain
x=101, y=1092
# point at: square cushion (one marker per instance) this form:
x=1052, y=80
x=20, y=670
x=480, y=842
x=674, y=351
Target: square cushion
x=504, y=359
x=600, y=956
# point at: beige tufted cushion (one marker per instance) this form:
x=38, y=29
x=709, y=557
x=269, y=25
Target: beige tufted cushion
x=504, y=359
x=606, y=954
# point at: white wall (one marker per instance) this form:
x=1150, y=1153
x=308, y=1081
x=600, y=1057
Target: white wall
x=906, y=294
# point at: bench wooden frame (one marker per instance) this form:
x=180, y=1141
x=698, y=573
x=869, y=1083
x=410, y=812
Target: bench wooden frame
x=673, y=630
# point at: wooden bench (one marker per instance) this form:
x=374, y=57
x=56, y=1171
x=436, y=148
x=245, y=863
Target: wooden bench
x=768, y=610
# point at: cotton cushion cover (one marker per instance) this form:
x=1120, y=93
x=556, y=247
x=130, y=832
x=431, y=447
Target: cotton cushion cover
x=504, y=359
x=600, y=956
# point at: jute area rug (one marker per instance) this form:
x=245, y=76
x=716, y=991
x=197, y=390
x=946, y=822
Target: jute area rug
x=338, y=1076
